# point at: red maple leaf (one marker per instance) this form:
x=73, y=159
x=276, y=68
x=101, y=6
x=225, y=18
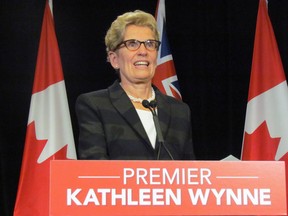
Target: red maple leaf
x=33, y=197
x=260, y=145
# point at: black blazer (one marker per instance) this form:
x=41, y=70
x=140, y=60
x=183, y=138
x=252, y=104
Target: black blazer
x=110, y=128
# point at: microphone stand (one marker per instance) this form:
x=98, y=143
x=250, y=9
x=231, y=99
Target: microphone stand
x=152, y=106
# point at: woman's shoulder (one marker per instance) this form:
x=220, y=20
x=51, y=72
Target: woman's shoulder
x=101, y=93
x=171, y=100
x=93, y=95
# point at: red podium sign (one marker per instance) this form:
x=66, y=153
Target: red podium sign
x=118, y=188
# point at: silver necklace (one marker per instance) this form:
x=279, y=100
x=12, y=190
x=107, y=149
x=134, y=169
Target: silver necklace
x=139, y=100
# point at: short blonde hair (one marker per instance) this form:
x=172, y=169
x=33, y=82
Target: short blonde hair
x=115, y=33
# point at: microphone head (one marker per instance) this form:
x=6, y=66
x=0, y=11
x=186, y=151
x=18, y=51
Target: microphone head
x=145, y=103
x=153, y=104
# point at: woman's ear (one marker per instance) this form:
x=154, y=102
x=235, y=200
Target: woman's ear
x=113, y=59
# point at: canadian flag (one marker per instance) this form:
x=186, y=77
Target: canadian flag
x=165, y=77
x=49, y=134
x=266, y=124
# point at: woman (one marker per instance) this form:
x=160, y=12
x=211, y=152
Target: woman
x=113, y=123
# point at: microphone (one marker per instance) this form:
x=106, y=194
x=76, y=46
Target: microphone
x=153, y=104
x=152, y=107
x=146, y=104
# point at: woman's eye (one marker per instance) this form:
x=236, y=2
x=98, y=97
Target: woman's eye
x=132, y=44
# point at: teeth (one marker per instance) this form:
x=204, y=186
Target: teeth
x=141, y=63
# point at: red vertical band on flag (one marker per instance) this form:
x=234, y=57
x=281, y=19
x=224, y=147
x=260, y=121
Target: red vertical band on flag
x=48, y=66
x=266, y=57
x=266, y=124
x=49, y=133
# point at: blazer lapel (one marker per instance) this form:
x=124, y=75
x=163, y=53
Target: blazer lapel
x=164, y=112
x=123, y=105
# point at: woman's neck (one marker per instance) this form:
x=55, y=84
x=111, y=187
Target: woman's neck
x=139, y=93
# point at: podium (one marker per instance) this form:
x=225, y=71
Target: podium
x=158, y=188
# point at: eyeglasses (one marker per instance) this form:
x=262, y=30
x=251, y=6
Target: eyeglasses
x=134, y=44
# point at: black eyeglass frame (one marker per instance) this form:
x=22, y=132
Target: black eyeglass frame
x=158, y=43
